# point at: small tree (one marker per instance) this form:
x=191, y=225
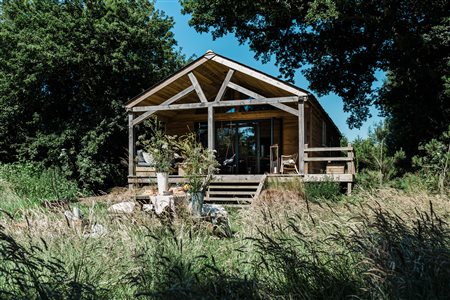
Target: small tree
x=372, y=158
x=434, y=164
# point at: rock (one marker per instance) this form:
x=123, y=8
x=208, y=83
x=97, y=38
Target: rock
x=97, y=230
x=126, y=207
x=147, y=207
x=75, y=219
x=161, y=203
x=218, y=216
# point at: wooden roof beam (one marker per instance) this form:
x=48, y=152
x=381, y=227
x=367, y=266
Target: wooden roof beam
x=166, y=82
x=197, y=87
x=169, y=101
x=225, y=103
x=258, y=75
x=224, y=85
x=257, y=96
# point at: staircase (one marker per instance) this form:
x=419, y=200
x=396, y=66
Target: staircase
x=234, y=190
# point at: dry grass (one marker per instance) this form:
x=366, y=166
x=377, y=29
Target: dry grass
x=281, y=235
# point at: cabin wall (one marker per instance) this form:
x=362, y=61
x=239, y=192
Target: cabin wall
x=322, y=133
x=319, y=130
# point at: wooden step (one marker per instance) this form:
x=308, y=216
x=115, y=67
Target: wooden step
x=232, y=192
x=228, y=199
x=235, y=187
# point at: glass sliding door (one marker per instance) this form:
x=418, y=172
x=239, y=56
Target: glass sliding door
x=243, y=146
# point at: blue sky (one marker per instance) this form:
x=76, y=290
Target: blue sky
x=193, y=43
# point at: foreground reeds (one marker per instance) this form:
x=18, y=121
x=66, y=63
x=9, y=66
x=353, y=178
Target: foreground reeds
x=391, y=246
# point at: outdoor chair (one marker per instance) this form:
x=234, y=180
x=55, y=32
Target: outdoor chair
x=289, y=164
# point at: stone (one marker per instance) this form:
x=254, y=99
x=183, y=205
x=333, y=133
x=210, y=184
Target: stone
x=147, y=207
x=126, y=207
x=97, y=230
x=218, y=216
x=75, y=219
x=161, y=203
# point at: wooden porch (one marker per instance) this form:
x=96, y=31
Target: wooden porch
x=242, y=189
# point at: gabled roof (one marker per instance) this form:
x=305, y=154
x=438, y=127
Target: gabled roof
x=211, y=69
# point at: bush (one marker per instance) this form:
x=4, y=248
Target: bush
x=322, y=190
x=434, y=163
x=32, y=182
x=375, y=164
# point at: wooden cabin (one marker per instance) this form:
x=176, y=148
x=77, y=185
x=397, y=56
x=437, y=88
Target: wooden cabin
x=259, y=125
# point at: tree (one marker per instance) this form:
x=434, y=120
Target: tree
x=66, y=69
x=340, y=44
x=375, y=165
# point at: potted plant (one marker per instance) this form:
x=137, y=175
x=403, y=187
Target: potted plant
x=200, y=165
x=161, y=148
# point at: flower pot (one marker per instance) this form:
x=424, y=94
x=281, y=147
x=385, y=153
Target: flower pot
x=163, y=182
x=197, y=203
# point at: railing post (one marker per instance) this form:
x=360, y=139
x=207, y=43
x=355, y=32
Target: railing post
x=306, y=163
x=131, y=147
x=350, y=168
x=211, y=130
x=301, y=134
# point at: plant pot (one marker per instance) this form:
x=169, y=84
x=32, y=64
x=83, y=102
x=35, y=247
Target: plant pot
x=197, y=203
x=163, y=182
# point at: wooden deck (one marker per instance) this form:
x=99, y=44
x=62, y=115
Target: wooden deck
x=242, y=189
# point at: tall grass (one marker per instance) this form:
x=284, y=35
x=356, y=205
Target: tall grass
x=29, y=184
x=398, y=249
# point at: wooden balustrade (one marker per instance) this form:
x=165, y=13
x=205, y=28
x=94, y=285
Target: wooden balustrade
x=348, y=159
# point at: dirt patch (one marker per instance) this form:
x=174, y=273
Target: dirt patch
x=115, y=195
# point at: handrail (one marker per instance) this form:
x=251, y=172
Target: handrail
x=323, y=149
x=326, y=158
x=349, y=158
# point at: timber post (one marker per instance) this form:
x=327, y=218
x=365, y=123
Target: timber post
x=301, y=134
x=350, y=167
x=131, y=147
x=211, y=130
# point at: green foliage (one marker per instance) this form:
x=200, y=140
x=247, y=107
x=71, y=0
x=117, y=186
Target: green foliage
x=198, y=162
x=413, y=260
x=66, y=69
x=159, y=145
x=32, y=183
x=434, y=162
x=341, y=45
x=375, y=165
x=322, y=190
x=27, y=274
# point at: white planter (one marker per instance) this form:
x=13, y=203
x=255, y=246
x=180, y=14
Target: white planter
x=163, y=182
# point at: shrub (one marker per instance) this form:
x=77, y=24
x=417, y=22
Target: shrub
x=434, y=163
x=373, y=161
x=322, y=190
x=32, y=182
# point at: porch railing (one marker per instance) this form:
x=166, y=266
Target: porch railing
x=347, y=160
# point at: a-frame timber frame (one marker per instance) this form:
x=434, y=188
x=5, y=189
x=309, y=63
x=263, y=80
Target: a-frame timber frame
x=190, y=94
x=279, y=102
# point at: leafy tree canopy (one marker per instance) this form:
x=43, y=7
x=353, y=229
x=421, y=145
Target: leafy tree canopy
x=342, y=43
x=67, y=68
